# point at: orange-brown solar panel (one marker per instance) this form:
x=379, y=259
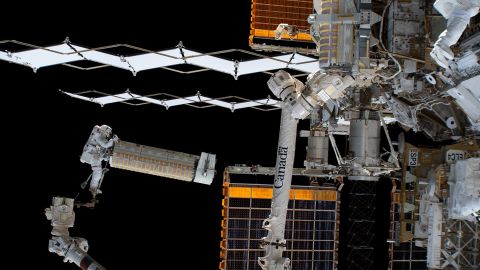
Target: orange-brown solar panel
x=268, y=14
x=311, y=227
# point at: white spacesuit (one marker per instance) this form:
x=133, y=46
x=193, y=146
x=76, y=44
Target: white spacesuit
x=98, y=148
x=458, y=14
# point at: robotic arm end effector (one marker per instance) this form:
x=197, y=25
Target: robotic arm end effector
x=73, y=249
x=290, y=91
x=61, y=215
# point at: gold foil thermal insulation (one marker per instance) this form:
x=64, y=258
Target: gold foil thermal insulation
x=156, y=161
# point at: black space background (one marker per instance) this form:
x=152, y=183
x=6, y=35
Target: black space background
x=142, y=221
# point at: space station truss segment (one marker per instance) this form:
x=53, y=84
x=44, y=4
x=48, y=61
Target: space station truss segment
x=67, y=54
x=461, y=250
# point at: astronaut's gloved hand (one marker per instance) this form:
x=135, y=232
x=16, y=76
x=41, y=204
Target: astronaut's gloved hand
x=438, y=55
x=115, y=138
x=442, y=48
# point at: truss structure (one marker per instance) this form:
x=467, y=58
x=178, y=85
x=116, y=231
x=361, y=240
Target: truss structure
x=67, y=54
x=462, y=240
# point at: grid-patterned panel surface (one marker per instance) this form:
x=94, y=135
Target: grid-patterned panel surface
x=310, y=230
x=268, y=14
x=408, y=256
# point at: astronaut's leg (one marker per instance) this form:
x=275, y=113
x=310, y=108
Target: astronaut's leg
x=97, y=173
x=441, y=52
x=439, y=57
x=442, y=46
x=456, y=24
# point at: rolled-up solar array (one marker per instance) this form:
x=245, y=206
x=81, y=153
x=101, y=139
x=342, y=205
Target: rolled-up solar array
x=161, y=162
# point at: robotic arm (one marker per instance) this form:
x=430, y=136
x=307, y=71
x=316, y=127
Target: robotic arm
x=298, y=102
x=73, y=249
x=291, y=30
x=288, y=90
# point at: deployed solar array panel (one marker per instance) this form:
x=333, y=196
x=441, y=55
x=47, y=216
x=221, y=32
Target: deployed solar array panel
x=69, y=55
x=407, y=256
x=310, y=230
x=128, y=97
x=268, y=14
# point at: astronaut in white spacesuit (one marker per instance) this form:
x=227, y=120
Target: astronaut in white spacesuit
x=458, y=14
x=97, y=149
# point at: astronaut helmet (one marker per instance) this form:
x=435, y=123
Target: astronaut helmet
x=106, y=130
